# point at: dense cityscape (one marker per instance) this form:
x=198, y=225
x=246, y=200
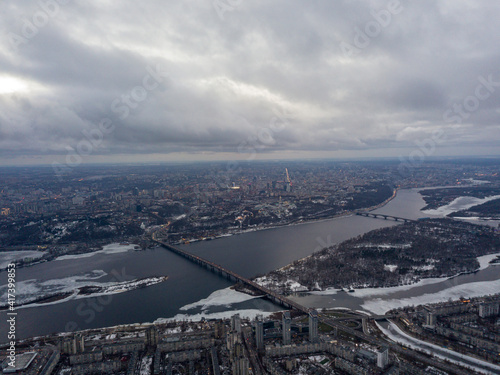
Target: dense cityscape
x=97, y=205
x=234, y=187
x=53, y=217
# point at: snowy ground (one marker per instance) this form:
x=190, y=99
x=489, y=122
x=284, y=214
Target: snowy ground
x=290, y=284
x=460, y=203
x=395, y=334
x=108, y=249
x=246, y=313
x=8, y=256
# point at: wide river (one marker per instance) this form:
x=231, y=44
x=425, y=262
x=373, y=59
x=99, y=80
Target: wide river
x=193, y=292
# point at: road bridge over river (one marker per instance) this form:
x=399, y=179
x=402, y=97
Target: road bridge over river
x=383, y=216
x=230, y=275
x=289, y=304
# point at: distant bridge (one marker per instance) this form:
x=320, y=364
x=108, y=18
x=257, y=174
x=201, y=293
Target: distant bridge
x=230, y=275
x=383, y=216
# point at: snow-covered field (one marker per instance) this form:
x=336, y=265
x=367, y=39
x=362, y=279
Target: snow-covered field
x=108, y=249
x=245, y=313
x=395, y=334
x=223, y=297
x=476, y=289
x=290, y=284
x=8, y=256
x=460, y=203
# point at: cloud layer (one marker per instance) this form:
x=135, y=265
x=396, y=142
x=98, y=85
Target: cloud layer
x=189, y=77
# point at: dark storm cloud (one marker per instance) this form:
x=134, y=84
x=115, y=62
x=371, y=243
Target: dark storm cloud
x=216, y=82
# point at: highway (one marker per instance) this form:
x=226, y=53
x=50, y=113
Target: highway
x=396, y=348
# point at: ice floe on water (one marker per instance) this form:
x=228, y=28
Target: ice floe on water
x=31, y=293
x=223, y=297
x=484, y=261
x=9, y=256
x=460, y=203
x=29, y=290
x=475, y=289
x=113, y=248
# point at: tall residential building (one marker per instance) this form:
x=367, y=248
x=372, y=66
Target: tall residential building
x=219, y=330
x=488, y=309
x=430, y=318
x=79, y=343
x=287, y=328
x=313, y=326
x=236, y=323
x=259, y=333
x=383, y=357
x=152, y=336
x=241, y=366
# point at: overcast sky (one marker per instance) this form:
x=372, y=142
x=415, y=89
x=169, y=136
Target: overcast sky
x=187, y=80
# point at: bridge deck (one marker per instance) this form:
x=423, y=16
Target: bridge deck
x=228, y=273
x=322, y=318
x=384, y=216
